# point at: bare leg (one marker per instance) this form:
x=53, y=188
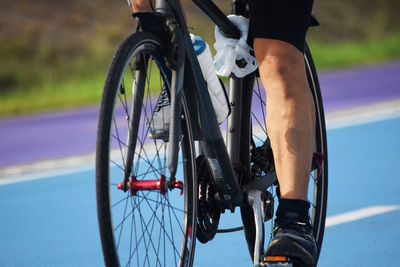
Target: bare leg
x=290, y=114
x=141, y=5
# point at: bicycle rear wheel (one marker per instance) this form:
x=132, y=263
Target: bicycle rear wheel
x=319, y=175
x=143, y=218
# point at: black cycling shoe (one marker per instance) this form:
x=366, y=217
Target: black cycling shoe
x=159, y=120
x=293, y=239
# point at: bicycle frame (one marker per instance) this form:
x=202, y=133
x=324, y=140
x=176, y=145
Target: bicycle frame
x=226, y=161
x=236, y=167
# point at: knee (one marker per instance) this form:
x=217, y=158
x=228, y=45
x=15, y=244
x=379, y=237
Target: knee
x=281, y=63
x=282, y=66
x=279, y=58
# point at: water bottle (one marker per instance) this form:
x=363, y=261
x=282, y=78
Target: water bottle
x=217, y=93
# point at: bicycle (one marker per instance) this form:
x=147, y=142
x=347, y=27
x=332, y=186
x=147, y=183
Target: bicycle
x=143, y=220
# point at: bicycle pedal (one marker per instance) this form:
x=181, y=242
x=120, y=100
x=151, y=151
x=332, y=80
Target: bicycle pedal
x=277, y=261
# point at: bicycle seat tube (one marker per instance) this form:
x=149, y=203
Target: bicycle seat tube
x=239, y=126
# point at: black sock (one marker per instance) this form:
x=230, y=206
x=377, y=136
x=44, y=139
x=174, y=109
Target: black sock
x=298, y=206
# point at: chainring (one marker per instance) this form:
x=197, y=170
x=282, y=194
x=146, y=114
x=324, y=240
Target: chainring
x=208, y=212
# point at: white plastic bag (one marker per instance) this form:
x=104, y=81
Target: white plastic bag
x=229, y=50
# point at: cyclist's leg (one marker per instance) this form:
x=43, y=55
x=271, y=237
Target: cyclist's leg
x=290, y=114
x=291, y=128
x=278, y=45
x=142, y=5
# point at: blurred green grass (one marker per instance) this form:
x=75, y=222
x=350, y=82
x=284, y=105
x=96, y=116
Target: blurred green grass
x=335, y=55
x=55, y=55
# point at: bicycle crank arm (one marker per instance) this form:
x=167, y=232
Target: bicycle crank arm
x=262, y=183
x=254, y=198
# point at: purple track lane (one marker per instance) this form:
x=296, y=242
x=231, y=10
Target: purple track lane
x=61, y=134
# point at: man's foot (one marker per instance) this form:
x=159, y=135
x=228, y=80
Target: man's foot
x=159, y=120
x=293, y=239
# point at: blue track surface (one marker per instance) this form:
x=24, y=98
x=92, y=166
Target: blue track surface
x=52, y=221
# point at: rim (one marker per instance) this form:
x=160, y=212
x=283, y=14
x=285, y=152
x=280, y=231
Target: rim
x=150, y=227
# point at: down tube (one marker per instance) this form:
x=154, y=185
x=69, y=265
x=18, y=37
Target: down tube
x=207, y=130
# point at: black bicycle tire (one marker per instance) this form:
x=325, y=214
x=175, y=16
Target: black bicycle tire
x=138, y=43
x=322, y=191
x=319, y=213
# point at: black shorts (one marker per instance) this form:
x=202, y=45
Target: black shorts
x=284, y=20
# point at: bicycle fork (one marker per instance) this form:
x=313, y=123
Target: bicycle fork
x=176, y=60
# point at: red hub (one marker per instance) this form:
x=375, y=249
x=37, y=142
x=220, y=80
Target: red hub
x=161, y=185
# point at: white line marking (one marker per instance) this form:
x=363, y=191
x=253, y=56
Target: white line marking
x=362, y=115
x=55, y=167
x=46, y=169
x=43, y=175
x=359, y=214
x=334, y=120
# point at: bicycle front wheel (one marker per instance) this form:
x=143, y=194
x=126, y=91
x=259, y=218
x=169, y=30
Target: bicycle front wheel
x=318, y=184
x=146, y=218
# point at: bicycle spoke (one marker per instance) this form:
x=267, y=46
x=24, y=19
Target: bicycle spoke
x=130, y=240
x=122, y=223
x=176, y=217
x=120, y=201
x=169, y=238
x=172, y=232
x=120, y=148
x=118, y=165
x=145, y=225
x=169, y=205
x=123, y=100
